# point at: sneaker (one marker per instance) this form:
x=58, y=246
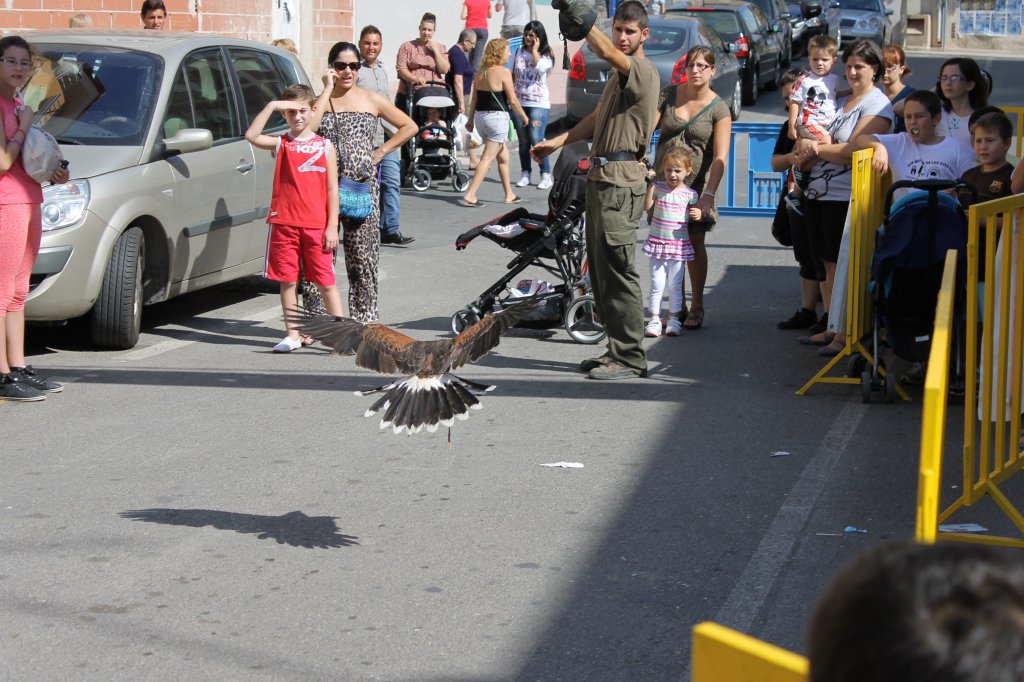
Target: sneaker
x=820, y=326
x=592, y=363
x=545, y=181
x=29, y=376
x=13, y=388
x=674, y=327
x=524, y=181
x=287, y=345
x=653, y=328
x=802, y=319
x=613, y=370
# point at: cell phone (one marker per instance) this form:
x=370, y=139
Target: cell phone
x=64, y=163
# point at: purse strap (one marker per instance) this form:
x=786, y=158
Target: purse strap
x=699, y=114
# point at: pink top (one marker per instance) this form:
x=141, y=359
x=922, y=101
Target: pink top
x=16, y=187
x=476, y=14
x=420, y=61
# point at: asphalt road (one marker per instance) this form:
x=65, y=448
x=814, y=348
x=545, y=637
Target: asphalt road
x=201, y=508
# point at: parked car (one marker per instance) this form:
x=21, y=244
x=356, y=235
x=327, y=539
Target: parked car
x=671, y=37
x=166, y=196
x=850, y=20
x=778, y=13
x=755, y=42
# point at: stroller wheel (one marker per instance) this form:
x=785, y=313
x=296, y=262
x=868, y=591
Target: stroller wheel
x=581, y=321
x=421, y=180
x=463, y=319
x=865, y=386
x=460, y=181
x=856, y=366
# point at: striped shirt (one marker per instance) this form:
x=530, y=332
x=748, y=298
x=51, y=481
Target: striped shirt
x=669, y=238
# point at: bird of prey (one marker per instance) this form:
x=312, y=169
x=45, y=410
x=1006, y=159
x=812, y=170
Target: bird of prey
x=429, y=395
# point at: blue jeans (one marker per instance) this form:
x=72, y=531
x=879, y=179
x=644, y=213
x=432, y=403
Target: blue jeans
x=478, y=50
x=531, y=135
x=390, y=186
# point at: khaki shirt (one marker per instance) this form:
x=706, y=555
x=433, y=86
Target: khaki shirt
x=625, y=122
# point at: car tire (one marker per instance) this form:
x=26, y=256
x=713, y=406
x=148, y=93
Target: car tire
x=750, y=87
x=116, y=317
x=736, y=105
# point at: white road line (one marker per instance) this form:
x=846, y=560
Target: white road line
x=754, y=585
x=188, y=339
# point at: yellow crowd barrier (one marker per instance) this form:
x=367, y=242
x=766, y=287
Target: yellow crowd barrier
x=1016, y=115
x=994, y=357
x=933, y=419
x=720, y=654
x=867, y=202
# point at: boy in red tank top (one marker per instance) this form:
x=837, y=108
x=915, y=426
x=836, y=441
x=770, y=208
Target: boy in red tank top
x=304, y=207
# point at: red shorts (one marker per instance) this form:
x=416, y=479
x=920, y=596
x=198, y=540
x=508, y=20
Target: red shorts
x=289, y=246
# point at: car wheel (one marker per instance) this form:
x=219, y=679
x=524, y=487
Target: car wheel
x=750, y=86
x=116, y=317
x=736, y=105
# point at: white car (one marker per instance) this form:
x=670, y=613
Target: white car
x=850, y=20
x=166, y=196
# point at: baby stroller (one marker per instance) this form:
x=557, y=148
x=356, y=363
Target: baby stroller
x=555, y=243
x=431, y=151
x=906, y=273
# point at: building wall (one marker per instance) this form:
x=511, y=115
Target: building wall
x=322, y=22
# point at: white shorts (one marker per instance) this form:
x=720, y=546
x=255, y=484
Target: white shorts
x=492, y=125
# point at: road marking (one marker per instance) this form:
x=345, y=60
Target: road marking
x=192, y=337
x=757, y=580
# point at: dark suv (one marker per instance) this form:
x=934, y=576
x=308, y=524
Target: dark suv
x=778, y=11
x=755, y=41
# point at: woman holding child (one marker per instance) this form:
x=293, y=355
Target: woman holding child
x=865, y=111
x=692, y=116
x=348, y=118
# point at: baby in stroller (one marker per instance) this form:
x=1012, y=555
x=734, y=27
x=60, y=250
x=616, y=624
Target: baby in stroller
x=432, y=150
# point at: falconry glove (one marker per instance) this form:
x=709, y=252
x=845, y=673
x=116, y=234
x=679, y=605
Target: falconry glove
x=575, y=19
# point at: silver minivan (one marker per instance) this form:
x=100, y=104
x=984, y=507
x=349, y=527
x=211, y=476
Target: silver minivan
x=166, y=196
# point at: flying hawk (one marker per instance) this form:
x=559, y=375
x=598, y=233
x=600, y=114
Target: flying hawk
x=429, y=394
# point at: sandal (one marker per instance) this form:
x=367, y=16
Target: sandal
x=694, y=319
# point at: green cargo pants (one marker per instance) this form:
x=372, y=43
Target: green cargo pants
x=613, y=215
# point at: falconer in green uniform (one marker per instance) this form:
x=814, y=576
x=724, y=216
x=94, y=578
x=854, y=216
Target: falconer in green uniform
x=621, y=128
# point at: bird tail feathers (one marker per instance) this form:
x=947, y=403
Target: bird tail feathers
x=414, y=403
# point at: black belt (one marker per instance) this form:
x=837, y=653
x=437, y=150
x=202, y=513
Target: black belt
x=605, y=159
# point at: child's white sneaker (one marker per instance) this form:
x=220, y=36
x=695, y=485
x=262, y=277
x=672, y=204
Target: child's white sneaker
x=674, y=327
x=524, y=181
x=287, y=345
x=545, y=181
x=653, y=328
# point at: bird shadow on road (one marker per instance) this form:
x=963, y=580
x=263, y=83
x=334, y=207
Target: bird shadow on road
x=294, y=528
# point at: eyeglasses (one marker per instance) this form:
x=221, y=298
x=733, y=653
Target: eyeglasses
x=698, y=67
x=341, y=66
x=17, y=64
x=955, y=78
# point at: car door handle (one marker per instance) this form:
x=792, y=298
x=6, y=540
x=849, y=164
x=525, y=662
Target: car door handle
x=244, y=166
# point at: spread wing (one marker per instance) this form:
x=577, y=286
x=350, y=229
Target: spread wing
x=478, y=339
x=376, y=347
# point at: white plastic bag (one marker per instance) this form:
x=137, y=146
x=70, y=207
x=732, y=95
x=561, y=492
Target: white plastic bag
x=459, y=126
x=40, y=154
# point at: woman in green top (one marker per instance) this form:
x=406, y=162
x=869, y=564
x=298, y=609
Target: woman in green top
x=691, y=115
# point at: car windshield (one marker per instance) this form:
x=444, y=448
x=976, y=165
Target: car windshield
x=865, y=5
x=92, y=95
x=726, y=23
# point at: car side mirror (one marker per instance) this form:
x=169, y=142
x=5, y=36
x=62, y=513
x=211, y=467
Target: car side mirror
x=888, y=12
x=189, y=140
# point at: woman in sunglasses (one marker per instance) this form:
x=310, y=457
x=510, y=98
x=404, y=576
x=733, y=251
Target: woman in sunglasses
x=962, y=89
x=348, y=115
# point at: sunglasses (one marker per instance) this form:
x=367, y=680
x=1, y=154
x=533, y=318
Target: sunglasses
x=341, y=66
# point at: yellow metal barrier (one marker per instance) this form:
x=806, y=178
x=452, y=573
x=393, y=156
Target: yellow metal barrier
x=866, y=207
x=994, y=359
x=721, y=654
x=933, y=419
